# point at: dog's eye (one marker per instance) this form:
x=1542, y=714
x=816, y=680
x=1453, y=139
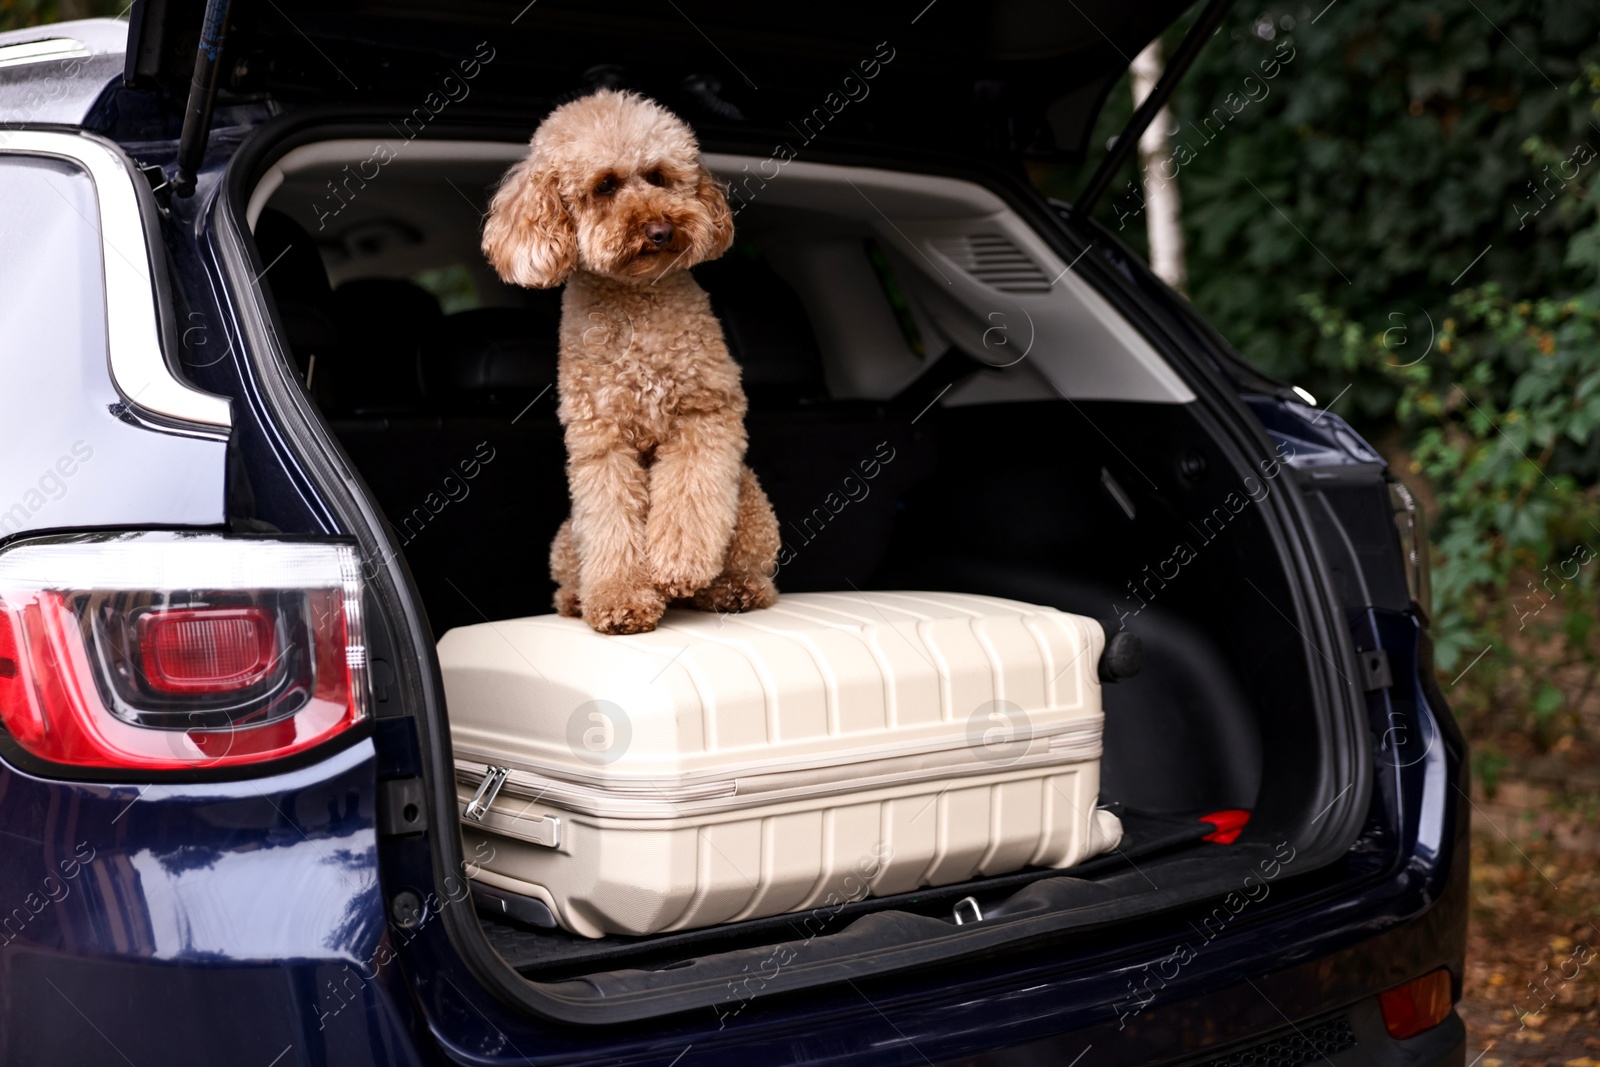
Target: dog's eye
x=605, y=186
x=656, y=178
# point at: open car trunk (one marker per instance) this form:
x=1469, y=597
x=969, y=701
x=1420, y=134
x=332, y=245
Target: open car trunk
x=943, y=396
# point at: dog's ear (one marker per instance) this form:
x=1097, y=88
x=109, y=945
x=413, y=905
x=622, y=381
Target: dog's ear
x=529, y=236
x=709, y=191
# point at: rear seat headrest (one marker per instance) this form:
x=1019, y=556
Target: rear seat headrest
x=768, y=332
x=289, y=253
x=406, y=301
x=299, y=285
x=384, y=325
x=490, y=359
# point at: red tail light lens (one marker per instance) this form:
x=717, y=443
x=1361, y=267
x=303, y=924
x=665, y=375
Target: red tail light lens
x=169, y=651
x=1420, y=1004
x=21, y=716
x=207, y=650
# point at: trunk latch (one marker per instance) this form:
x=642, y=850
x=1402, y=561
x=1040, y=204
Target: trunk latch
x=1375, y=671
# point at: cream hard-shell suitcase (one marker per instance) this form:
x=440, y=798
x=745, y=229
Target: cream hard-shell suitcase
x=730, y=767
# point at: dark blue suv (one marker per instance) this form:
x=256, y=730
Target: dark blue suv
x=272, y=426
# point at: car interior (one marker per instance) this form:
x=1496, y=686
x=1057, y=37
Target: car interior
x=937, y=401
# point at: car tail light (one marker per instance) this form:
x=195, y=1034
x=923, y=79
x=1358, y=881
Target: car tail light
x=207, y=650
x=177, y=651
x=1412, y=526
x=1420, y=1004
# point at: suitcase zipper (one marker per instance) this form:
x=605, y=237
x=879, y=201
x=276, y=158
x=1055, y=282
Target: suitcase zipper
x=1080, y=742
x=545, y=830
x=488, y=789
x=529, y=785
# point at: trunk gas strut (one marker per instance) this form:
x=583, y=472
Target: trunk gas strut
x=202, y=95
x=1123, y=146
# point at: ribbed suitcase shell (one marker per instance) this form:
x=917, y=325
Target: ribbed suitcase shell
x=730, y=767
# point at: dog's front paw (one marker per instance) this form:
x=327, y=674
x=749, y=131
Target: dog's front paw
x=735, y=594
x=680, y=562
x=679, y=588
x=623, y=610
x=568, y=604
x=679, y=576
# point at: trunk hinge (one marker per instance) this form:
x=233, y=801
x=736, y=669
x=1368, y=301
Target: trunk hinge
x=202, y=96
x=1128, y=139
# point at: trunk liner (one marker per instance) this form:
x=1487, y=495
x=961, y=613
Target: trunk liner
x=548, y=955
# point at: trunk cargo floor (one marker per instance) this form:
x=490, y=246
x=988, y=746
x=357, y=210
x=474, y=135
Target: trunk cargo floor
x=555, y=954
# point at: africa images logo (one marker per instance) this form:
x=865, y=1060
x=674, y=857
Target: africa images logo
x=999, y=732
x=599, y=732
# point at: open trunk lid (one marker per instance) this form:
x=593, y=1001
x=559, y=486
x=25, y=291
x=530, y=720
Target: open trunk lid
x=998, y=82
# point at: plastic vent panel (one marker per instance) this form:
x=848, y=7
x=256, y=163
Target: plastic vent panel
x=996, y=262
x=1309, y=1044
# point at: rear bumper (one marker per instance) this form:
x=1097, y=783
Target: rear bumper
x=1353, y=1037
x=1250, y=992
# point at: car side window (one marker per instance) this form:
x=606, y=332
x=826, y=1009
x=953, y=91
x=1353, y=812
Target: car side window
x=52, y=287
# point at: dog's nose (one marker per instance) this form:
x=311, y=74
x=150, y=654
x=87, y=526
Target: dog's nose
x=658, y=233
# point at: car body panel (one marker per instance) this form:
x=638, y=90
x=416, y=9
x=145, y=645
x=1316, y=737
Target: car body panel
x=225, y=910
x=93, y=407
x=59, y=91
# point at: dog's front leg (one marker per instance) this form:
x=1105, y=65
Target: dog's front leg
x=610, y=494
x=694, y=499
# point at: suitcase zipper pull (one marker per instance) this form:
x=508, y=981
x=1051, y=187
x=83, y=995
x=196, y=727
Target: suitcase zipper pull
x=488, y=789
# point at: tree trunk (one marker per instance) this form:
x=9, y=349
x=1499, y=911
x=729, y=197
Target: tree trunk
x=1162, y=208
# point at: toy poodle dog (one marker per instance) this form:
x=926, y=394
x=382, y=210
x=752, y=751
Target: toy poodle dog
x=613, y=200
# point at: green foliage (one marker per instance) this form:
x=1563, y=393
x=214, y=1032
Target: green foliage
x=1487, y=764
x=1372, y=168
x=1403, y=214
x=16, y=14
x=452, y=286
x=1503, y=421
x=1510, y=387
x=19, y=14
